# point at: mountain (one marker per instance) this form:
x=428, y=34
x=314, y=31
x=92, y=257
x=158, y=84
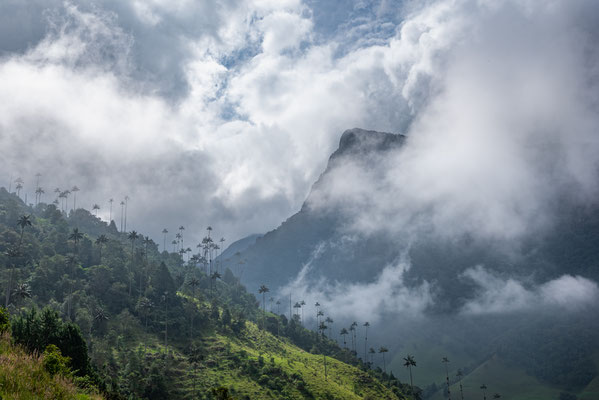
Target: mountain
x=486, y=299
x=310, y=237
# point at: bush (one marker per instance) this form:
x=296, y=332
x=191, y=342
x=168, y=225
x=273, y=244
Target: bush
x=4, y=320
x=55, y=363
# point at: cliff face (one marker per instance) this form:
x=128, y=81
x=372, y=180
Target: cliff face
x=313, y=237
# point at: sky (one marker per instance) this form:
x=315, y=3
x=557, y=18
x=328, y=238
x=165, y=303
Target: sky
x=224, y=113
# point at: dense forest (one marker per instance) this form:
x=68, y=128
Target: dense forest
x=105, y=310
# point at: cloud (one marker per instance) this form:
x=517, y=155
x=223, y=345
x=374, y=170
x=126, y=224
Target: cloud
x=386, y=294
x=504, y=98
x=205, y=112
x=498, y=294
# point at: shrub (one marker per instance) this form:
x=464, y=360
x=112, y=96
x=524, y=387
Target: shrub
x=55, y=363
x=4, y=320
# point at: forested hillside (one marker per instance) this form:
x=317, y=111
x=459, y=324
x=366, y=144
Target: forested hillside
x=125, y=320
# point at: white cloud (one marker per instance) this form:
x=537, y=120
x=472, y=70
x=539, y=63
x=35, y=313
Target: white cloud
x=266, y=103
x=498, y=294
x=386, y=294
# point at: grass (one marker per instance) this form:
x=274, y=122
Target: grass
x=281, y=370
x=23, y=377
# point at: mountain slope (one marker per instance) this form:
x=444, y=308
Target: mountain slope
x=153, y=325
x=314, y=247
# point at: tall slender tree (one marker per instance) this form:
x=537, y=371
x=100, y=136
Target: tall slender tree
x=483, y=387
x=366, y=325
x=164, y=232
x=263, y=290
x=23, y=222
x=372, y=352
x=100, y=242
x=133, y=236
x=22, y=291
x=122, y=213
x=110, y=201
x=96, y=207
x=126, y=208
x=74, y=190
x=76, y=236
x=410, y=362
x=344, y=333
x=193, y=283
x=19, y=185
x=329, y=321
x=353, y=328
x=181, y=229
x=383, y=350
x=445, y=361
x=460, y=375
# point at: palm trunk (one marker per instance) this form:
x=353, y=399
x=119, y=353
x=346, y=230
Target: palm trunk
x=411, y=382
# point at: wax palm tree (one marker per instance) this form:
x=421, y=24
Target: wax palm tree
x=319, y=314
x=181, y=229
x=100, y=315
x=122, y=213
x=62, y=196
x=22, y=291
x=383, y=350
x=23, y=222
x=215, y=275
x=126, y=207
x=352, y=329
x=95, y=208
x=366, y=325
x=101, y=241
x=302, y=304
x=483, y=387
x=262, y=290
x=146, y=306
x=66, y=194
x=297, y=307
x=76, y=236
x=193, y=283
x=372, y=352
x=110, y=201
x=445, y=361
x=278, y=303
x=321, y=328
x=409, y=363
x=329, y=321
x=164, y=232
x=174, y=243
x=179, y=237
x=344, y=333
x=38, y=195
x=459, y=375
x=74, y=190
x=19, y=186
x=133, y=236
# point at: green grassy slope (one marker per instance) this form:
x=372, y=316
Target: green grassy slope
x=258, y=365
x=23, y=377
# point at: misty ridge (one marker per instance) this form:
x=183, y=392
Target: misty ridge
x=429, y=169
